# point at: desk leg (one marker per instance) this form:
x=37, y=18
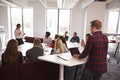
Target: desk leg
x=0, y=43
x=116, y=49
x=61, y=74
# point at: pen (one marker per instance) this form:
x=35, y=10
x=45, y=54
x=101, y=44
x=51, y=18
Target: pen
x=61, y=58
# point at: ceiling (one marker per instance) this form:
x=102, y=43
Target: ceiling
x=47, y=3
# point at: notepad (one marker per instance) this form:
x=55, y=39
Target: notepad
x=65, y=56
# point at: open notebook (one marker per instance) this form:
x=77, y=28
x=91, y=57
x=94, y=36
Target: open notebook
x=68, y=55
x=65, y=56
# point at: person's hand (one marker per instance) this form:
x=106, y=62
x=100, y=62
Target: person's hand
x=23, y=33
x=82, y=43
x=76, y=56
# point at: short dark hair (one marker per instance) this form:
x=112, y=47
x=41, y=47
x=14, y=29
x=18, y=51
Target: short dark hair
x=88, y=35
x=47, y=34
x=96, y=23
x=66, y=32
x=75, y=32
x=18, y=25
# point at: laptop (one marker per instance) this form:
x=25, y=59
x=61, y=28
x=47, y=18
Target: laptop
x=74, y=51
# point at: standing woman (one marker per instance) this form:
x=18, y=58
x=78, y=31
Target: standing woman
x=64, y=44
x=11, y=54
x=18, y=34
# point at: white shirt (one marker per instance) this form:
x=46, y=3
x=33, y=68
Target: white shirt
x=47, y=40
x=18, y=33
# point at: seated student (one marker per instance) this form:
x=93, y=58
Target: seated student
x=60, y=45
x=33, y=53
x=47, y=38
x=58, y=48
x=83, y=43
x=53, y=41
x=65, y=35
x=56, y=36
x=11, y=55
x=75, y=38
x=64, y=44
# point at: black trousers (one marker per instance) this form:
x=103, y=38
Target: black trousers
x=20, y=41
x=73, y=73
x=88, y=75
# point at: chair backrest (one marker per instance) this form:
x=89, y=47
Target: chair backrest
x=31, y=39
x=9, y=72
x=39, y=70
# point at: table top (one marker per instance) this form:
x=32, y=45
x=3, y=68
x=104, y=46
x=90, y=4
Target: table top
x=73, y=44
x=24, y=47
x=63, y=59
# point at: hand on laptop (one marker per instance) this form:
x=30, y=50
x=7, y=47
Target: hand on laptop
x=76, y=56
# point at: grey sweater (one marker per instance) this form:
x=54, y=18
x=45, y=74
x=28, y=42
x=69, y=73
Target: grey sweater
x=33, y=53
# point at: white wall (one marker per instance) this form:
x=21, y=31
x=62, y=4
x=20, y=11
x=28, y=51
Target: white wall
x=77, y=21
x=114, y=4
x=105, y=25
x=96, y=10
x=81, y=18
x=4, y=20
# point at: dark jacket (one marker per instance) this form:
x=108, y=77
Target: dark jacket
x=75, y=39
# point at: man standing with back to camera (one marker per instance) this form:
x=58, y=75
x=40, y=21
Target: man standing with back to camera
x=96, y=50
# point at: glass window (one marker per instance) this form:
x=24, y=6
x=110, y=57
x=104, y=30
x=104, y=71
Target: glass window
x=16, y=17
x=57, y=21
x=28, y=21
x=52, y=20
x=24, y=16
x=64, y=21
x=119, y=24
x=113, y=21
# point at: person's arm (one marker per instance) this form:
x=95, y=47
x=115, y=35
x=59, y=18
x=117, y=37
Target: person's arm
x=66, y=38
x=71, y=40
x=50, y=41
x=77, y=39
x=87, y=49
x=83, y=43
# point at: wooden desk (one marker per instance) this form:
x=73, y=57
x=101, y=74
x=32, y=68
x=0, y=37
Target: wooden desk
x=71, y=61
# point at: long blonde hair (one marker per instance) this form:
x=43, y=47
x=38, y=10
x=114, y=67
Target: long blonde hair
x=59, y=45
x=11, y=52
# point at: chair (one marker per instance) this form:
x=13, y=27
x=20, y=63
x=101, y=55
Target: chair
x=9, y=72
